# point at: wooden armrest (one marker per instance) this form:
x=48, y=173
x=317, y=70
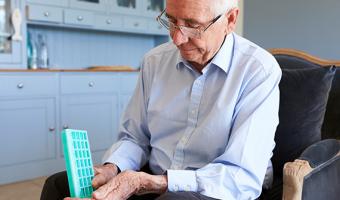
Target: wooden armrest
x=293, y=175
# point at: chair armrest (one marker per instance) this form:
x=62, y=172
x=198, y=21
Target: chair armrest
x=321, y=157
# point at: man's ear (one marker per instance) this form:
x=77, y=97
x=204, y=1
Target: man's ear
x=231, y=17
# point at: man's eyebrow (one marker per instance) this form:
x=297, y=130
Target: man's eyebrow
x=188, y=20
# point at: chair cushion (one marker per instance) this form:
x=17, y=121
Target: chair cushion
x=303, y=100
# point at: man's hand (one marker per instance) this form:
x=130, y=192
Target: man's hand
x=128, y=183
x=104, y=173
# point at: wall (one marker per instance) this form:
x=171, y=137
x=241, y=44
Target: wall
x=309, y=25
x=239, y=25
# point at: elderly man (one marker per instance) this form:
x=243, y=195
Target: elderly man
x=203, y=115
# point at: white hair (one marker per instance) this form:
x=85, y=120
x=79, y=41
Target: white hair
x=221, y=6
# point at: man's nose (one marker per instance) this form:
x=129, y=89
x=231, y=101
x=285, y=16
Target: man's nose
x=178, y=37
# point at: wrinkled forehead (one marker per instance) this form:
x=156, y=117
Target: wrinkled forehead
x=200, y=10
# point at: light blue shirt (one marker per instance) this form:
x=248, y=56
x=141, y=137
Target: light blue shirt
x=212, y=132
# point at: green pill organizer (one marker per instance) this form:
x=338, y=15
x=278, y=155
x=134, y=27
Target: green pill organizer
x=78, y=162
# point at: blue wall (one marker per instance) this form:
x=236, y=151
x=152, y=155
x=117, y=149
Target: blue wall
x=309, y=25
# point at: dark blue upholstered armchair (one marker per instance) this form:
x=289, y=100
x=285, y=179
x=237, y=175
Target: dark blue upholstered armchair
x=306, y=160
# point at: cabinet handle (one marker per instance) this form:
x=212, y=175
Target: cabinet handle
x=65, y=126
x=20, y=85
x=108, y=21
x=51, y=129
x=80, y=18
x=91, y=84
x=136, y=24
x=46, y=14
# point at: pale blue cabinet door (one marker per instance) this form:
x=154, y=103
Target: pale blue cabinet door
x=133, y=7
x=27, y=137
x=96, y=113
x=95, y=5
x=153, y=8
x=11, y=52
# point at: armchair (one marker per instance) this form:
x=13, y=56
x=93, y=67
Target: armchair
x=306, y=163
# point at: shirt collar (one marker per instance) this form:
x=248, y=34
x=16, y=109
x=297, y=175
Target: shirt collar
x=222, y=59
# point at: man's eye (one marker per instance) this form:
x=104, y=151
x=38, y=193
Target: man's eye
x=193, y=25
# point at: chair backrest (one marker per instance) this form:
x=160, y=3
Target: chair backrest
x=294, y=59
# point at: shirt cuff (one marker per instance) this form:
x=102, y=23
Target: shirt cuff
x=182, y=180
x=123, y=160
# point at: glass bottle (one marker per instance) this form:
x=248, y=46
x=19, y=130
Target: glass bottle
x=31, y=52
x=42, y=52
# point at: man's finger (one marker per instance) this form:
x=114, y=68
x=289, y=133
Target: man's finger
x=104, y=190
x=98, y=180
x=69, y=198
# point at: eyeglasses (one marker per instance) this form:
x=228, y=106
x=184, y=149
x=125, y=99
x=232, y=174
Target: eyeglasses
x=191, y=32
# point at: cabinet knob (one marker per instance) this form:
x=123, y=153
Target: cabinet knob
x=136, y=24
x=91, y=84
x=20, y=85
x=46, y=14
x=65, y=126
x=51, y=129
x=80, y=18
x=108, y=21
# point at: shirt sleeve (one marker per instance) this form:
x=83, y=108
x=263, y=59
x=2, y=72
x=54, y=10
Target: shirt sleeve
x=239, y=172
x=133, y=147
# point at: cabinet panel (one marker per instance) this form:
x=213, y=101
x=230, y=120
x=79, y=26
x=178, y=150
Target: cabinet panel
x=27, y=129
x=96, y=114
x=78, y=17
x=50, y=2
x=45, y=13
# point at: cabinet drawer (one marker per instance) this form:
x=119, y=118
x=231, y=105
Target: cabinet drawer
x=13, y=85
x=108, y=22
x=135, y=23
x=154, y=26
x=44, y=13
x=72, y=84
x=78, y=17
x=128, y=82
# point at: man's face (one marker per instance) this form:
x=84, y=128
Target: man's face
x=193, y=13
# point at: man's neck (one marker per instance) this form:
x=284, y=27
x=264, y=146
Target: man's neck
x=200, y=66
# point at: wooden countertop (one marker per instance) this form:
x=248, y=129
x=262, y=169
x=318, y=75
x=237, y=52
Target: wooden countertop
x=69, y=70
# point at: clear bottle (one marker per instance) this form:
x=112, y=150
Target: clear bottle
x=42, y=52
x=32, y=54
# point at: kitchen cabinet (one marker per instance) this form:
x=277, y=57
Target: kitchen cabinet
x=36, y=106
x=28, y=125
x=90, y=102
x=12, y=37
x=133, y=16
